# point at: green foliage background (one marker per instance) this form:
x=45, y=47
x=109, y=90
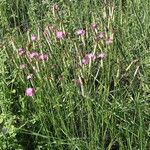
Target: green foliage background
x=113, y=112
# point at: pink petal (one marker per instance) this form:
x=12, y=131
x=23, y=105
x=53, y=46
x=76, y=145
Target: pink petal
x=30, y=92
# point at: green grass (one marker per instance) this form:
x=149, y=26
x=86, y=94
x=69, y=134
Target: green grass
x=110, y=110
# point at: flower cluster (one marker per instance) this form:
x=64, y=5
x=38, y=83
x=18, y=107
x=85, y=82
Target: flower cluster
x=31, y=56
x=91, y=57
x=34, y=56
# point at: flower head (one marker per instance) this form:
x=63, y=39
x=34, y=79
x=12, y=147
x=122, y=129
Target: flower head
x=109, y=41
x=85, y=60
x=91, y=56
x=60, y=34
x=80, y=32
x=101, y=35
x=30, y=92
x=43, y=57
x=88, y=58
x=33, y=38
x=21, y=51
x=102, y=55
x=33, y=55
x=94, y=26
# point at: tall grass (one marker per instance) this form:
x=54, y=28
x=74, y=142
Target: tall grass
x=101, y=105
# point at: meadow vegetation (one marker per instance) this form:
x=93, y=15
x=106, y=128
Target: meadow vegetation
x=74, y=75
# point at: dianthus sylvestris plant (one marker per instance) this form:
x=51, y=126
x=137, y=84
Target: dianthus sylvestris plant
x=65, y=80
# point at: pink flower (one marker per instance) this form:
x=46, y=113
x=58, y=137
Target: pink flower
x=109, y=41
x=80, y=32
x=102, y=55
x=43, y=57
x=30, y=91
x=94, y=26
x=21, y=52
x=85, y=60
x=33, y=55
x=33, y=38
x=29, y=76
x=60, y=34
x=88, y=57
x=101, y=35
x=91, y=56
